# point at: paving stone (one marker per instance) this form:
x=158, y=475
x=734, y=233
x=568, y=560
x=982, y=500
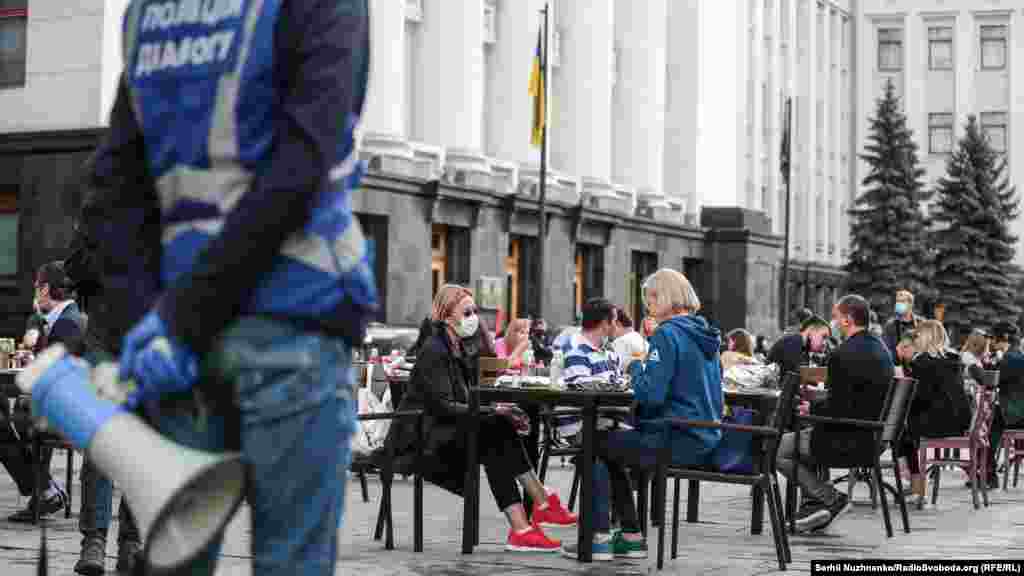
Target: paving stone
x=720, y=543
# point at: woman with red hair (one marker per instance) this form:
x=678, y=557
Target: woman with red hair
x=439, y=385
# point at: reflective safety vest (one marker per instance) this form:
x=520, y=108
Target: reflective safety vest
x=201, y=77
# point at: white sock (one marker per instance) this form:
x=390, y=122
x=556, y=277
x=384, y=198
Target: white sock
x=602, y=537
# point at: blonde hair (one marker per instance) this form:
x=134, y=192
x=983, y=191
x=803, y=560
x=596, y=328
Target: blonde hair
x=512, y=338
x=931, y=338
x=976, y=343
x=673, y=293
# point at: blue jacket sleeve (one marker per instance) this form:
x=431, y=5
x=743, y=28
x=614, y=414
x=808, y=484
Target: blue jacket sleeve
x=652, y=379
x=323, y=63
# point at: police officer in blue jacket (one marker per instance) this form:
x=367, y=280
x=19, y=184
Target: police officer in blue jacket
x=243, y=112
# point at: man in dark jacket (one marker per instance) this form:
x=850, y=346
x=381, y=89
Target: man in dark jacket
x=64, y=323
x=98, y=271
x=859, y=375
x=902, y=322
x=792, y=351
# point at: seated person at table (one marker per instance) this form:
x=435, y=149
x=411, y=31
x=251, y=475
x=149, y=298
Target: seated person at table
x=940, y=407
x=793, y=351
x=628, y=344
x=859, y=375
x=587, y=354
x=739, y=349
x=515, y=343
x=681, y=378
x=439, y=385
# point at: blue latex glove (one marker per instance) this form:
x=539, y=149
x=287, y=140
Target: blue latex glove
x=65, y=397
x=158, y=364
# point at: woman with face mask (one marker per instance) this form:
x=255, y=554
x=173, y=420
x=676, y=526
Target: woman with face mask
x=439, y=385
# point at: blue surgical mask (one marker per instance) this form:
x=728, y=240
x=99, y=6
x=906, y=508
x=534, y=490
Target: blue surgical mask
x=901, y=308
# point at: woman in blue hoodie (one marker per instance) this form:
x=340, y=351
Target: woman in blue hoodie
x=682, y=378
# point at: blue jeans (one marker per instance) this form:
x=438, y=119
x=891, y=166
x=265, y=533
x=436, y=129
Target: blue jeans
x=294, y=390
x=636, y=450
x=97, y=508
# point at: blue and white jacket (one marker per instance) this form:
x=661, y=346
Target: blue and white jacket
x=245, y=111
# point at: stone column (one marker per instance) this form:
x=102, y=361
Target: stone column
x=756, y=119
x=638, y=111
x=792, y=46
x=450, y=88
x=825, y=137
x=839, y=191
x=581, y=99
x=809, y=173
x=383, y=123
x=509, y=107
x=720, y=107
x=682, y=88
x=772, y=116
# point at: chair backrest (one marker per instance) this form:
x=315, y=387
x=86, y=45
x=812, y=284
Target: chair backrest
x=982, y=422
x=990, y=379
x=785, y=406
x=901, y=395
x=491, y=368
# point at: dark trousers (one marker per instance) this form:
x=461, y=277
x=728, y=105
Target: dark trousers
x=908, y=448
x=995, y=438
x=17, y=456
x=619, y=450
x=96, y=508
x=501, y=453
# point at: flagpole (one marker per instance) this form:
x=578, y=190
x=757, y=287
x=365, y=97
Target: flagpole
x=542, y=228
x=786, y=170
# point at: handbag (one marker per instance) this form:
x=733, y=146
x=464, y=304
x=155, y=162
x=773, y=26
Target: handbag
x=734, y=452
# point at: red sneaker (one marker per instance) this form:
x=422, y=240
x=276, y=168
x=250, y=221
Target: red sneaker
x=554, y=514
x=533, y=540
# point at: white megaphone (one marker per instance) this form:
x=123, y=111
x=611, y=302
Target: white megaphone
x=181, y=498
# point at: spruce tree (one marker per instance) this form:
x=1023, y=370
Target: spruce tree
x=888, y=250
x=974, y=247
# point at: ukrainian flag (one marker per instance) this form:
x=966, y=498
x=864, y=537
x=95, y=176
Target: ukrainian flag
x=538, y=92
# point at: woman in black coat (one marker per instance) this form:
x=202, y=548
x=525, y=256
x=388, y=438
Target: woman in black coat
x=446, y=367
x=940, y=408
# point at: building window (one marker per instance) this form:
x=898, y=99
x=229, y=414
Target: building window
x=588, y=282
x=13, y=25
x=890, y=49
x=993, y=47
x=375, y=229
x=8, y=231
x=521, y=272
x=940, y=48
x=449, y=256
x=940, y=133
x=643, y=265
x=993, y=125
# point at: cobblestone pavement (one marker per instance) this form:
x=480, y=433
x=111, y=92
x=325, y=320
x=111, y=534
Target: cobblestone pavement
x=720, y=544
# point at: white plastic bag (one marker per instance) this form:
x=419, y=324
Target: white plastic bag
x=371, y=434
x=752, y=376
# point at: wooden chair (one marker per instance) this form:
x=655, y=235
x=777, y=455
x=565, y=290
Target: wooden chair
x=763, y=476
x=384, y=464
x=976, y=445
x=889, y=429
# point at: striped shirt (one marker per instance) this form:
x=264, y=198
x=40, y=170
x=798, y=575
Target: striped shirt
x=582, y=360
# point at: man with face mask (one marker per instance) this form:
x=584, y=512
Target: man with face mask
x=903, y=320
x=791, y=352
x=588, y=355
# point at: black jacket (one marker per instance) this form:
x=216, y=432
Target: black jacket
x=940, y=406
x=68, y=329
x=788, y=352
x=439, y=385
x=895, y=328
x=114, y=261
x=1011, y=387
x=860, y=373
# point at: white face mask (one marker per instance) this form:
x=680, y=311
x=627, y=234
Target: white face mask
x=468, y=326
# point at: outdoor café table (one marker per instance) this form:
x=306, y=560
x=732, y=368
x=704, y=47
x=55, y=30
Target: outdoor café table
x=536, y=397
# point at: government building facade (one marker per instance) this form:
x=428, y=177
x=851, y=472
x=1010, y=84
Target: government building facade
x=665, y=128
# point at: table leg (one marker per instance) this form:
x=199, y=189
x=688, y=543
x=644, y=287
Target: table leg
x=470, y=507
x=585, y=520
x=532, y=449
